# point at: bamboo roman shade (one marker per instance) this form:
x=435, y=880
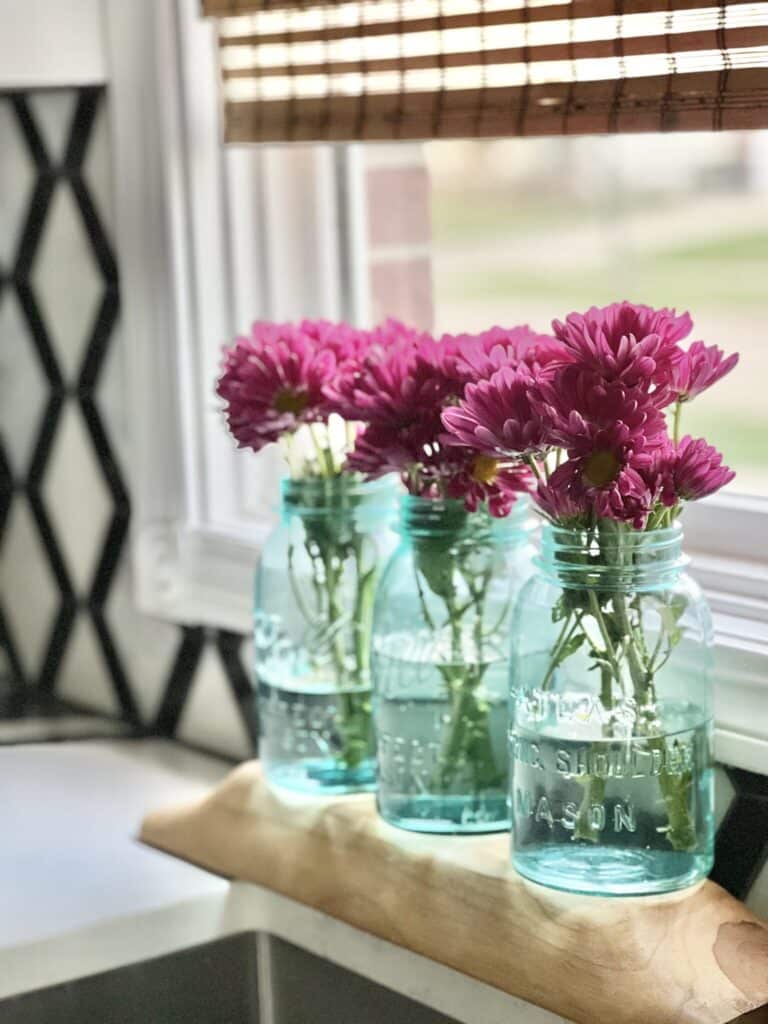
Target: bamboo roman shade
x=419, y=69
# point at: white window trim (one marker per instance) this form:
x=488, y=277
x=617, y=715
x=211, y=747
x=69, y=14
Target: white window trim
x=194, y=269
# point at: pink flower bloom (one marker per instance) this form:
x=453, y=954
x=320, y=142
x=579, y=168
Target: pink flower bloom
x=698, y=470
x=627, y=499
x=382, y=448
x=561, y=502
x=349, y=344
x=394, y=332
x=631, y=343
x=478, y=356
x=543, y=357
x=597, y=487
x=578, y=405
x=431, y=470
x=483, y=479
x=699, y=368
x=274, y=381
x=496, y=416
x=399, y=380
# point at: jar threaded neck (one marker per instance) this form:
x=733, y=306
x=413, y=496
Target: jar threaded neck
x=612, y=556
x=339, y=495
x=447, y=517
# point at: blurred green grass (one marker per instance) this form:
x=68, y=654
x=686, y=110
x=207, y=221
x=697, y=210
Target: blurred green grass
x=662, y=279
x=478, y=215
x=747, y=247
x=741, y=438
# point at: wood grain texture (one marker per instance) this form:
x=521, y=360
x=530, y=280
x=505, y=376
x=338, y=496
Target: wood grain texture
x=695, y=958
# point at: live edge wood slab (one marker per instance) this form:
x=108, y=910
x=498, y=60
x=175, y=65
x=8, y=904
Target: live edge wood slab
x=696, y=958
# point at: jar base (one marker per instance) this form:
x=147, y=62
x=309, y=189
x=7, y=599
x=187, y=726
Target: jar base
x=446, y=815
x=612, y=872
x=323, y=776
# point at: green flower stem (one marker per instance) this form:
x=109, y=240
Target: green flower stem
x=676, y=421
x=609, y=652
x=638, y=674
x=332, y=551
x=467, y=744
x=325, y=460
x=468, y=740
x=566, y=635
x=354, y=706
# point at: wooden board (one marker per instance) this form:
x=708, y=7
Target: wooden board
x=694, y=958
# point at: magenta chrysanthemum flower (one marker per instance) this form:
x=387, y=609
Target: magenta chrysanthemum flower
x=496, y=416
x=478, y=356
x=599, y=488
x=484, y=480
x=274, y=381
x=383, y=448
x=699, y=368
x=577, y=405
x=392, y=332
x=396, y=383
x=349, y=344
x=431, y=470
x=697, y=470
x=631, y=343
x=561, y=502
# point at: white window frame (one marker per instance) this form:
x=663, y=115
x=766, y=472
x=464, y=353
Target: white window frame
x=209, y=240
x=195, y=267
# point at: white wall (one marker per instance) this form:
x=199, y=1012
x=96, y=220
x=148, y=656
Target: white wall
x=44, y=43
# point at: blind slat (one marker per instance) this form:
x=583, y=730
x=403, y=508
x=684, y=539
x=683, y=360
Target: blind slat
x=378, y=70
x=736, y=38
x=520, y=15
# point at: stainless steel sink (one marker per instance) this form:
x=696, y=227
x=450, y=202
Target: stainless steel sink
x=222, y=983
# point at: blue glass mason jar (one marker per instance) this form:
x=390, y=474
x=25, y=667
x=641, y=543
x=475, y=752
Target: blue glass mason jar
x=441, y=666
x=611, y=763
x=312, y=626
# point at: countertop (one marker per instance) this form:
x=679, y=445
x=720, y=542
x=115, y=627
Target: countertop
x=79, y=894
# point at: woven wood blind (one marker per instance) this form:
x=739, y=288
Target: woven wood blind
x=422, y=69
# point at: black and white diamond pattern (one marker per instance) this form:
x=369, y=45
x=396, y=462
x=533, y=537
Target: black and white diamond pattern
x=68, y=625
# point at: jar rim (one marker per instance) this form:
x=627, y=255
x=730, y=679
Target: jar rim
x=339, y=492
x=424, y=516
x=615, y=559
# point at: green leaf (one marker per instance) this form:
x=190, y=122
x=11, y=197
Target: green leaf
x=674, y=637
x=570, y=647
x=437, y=567
x=678, y=604
x=559, y=611
x=615, y=630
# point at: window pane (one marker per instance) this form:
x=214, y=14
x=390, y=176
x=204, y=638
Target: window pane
x=530, y=229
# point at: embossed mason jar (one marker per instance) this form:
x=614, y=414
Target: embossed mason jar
x=312, y=623
x=611, y=708
x=441, y=664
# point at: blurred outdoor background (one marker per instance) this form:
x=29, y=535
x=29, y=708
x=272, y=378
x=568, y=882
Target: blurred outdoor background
x=530, y=229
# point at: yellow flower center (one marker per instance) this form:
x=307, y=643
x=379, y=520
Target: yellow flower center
x=485, y=469
x=290, y=401
x=601, y=468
